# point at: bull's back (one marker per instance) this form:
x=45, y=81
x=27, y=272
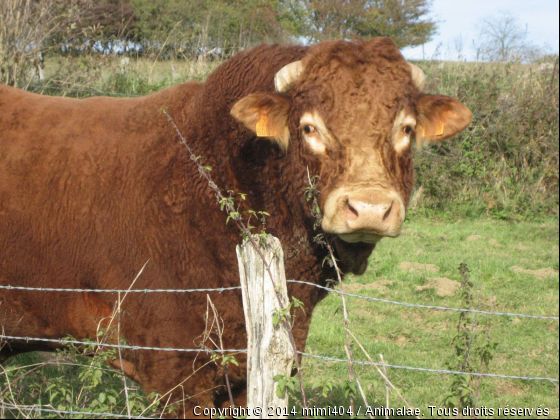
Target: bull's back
x=56, y=154
x=67, y=169
x=77, y=196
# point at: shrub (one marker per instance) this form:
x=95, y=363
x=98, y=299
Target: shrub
x=505, y=164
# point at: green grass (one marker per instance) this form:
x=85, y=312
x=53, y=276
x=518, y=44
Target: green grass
x=73, y=380
x=122, y=76
x=422, y=338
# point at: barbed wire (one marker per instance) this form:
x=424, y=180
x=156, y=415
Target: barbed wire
x=414, y=305
x=444, y=371
x=328, y=289
x=82, y=413
x=119, y=346
x=316, y=356
x=50, y=289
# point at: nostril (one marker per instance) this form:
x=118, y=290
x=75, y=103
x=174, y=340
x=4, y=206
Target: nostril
x=388, y=212
x=352, y=212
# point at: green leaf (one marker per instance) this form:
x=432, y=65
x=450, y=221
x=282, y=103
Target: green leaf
x=53, y=396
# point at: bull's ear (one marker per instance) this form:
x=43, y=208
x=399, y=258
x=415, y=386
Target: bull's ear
x=440, y=117
x=266, y=114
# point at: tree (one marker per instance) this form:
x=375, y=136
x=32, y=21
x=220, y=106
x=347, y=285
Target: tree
x=199, y=26
x=503, y=39
x=27, y=31
x=115, y=18
x=404, y=21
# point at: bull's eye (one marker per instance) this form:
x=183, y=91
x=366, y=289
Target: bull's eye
x=407, y=129
x=308, y=129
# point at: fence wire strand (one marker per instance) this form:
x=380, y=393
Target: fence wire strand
x=444, y=371
x=328, y=289
x=48, y=289
x=316, y=356
x=414, y=305
x=118, y=346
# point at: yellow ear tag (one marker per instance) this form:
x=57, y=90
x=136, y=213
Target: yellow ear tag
x=439, y=132
x=262, y=127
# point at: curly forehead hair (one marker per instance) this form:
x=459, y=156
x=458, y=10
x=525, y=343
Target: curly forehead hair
x=364, y=74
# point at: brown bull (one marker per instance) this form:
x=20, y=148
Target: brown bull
x=92, y=189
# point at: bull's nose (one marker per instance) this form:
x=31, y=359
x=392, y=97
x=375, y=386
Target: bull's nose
x=382, y=218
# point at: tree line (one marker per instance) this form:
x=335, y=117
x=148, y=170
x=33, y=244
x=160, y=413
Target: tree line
x=200, y=26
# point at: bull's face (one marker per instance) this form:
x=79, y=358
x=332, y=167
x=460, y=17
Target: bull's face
x=354, y=111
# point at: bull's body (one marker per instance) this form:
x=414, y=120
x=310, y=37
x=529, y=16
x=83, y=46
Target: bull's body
x=90, y=190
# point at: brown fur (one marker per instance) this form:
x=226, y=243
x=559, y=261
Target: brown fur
x=92, y=189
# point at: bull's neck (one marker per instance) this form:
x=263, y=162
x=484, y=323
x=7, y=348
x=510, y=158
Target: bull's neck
x=273, y=180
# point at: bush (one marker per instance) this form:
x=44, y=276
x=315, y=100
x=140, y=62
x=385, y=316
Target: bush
x=74, y=380
x=505, y=164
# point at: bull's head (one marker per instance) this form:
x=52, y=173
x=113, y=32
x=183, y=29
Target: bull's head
x=354, y=110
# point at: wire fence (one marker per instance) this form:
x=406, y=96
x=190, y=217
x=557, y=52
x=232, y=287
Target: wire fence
x=414, y=305
x=118, y=346
x=315, y=356
x=222, y=289
x=444, y=371
x=50, y=289
x=328, y=289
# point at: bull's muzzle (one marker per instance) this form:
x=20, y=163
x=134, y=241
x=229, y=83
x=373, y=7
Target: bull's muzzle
x=364, y=216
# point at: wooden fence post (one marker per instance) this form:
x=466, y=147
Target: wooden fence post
x=269, y=351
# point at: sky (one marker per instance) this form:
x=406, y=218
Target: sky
x=462, y=18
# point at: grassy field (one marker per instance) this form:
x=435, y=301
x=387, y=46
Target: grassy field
x=422, y=338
